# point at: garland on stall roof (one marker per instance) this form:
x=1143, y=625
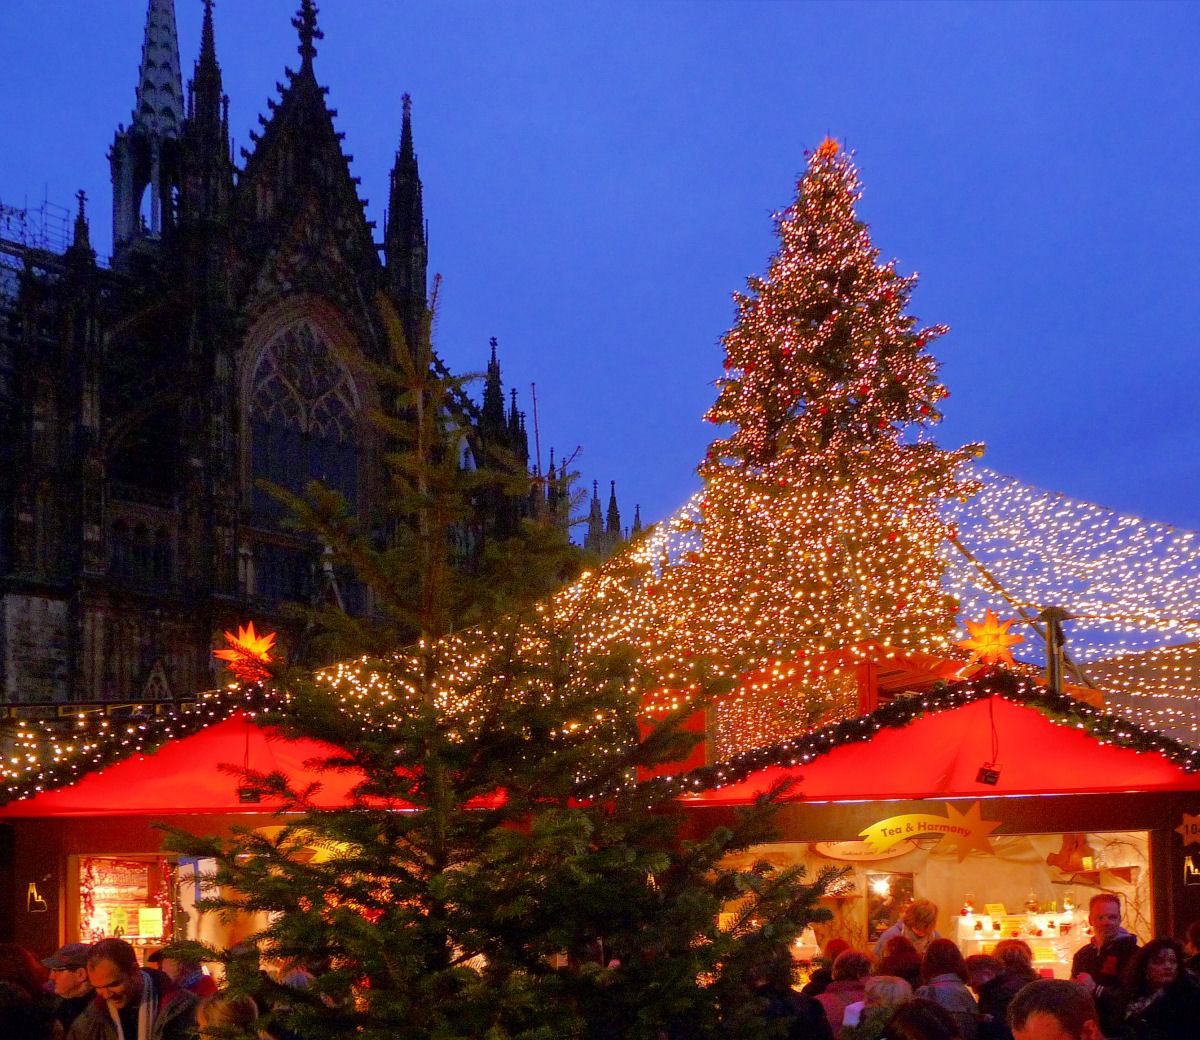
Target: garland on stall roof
x=1060, y=709
x=92, y=745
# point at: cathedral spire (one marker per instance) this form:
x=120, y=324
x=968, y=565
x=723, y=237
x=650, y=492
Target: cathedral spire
x=81, y=245
x=406, y=153
x=612, y=525
x=159, y=106
x=208, y=47
x=144, y=157
x=595, y=541
x=206, y=81
x=207, y=181
x=405, y=247
x=492, y=425
x=305, y=24
x=81, y=222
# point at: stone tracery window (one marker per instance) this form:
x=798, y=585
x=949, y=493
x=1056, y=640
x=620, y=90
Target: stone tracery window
x=304, y=418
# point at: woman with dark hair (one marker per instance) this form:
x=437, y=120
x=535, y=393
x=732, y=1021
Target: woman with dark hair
x=796, y=1016
x=900, y=958
x=26, y=1010
x=921, y=1019
x=945, y=975
x=994, y=997
x=850, y=972
x=819, y=980
x=1159, y=998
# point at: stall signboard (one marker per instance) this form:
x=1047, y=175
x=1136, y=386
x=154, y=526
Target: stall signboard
x=963, y=832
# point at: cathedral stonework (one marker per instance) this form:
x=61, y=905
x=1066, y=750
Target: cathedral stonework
x=143, y=402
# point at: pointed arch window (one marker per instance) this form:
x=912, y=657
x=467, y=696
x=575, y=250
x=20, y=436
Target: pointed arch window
x=304, y=419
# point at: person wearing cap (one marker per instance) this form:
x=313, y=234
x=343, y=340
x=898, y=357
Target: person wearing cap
x=68, y=973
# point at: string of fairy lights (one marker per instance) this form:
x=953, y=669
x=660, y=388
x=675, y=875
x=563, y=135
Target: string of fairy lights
x=830, y=524
x=1131, y=587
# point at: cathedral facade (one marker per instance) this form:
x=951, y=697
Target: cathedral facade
x=142, y=403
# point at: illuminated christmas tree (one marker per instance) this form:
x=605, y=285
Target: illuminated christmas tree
x=819, y=518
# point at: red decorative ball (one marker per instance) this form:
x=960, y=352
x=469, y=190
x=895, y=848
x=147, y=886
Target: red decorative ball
x=728, y=364
x=786, y=351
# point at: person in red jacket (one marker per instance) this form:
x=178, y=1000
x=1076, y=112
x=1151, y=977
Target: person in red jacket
x=184, y=972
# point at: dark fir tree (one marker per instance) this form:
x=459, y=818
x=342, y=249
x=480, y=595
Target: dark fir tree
x=500, y=871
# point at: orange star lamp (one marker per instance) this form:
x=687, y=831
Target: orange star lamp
x=828, y=149
x=248, y=653
x=990, y=640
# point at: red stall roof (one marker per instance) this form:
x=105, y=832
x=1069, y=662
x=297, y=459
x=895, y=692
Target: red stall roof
x=184, y=776
x=939, y=755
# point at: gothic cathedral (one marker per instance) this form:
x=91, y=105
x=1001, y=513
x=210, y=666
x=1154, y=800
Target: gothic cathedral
x=140, y=403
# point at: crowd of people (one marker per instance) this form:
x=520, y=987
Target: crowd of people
x=915, y=985
x=101, y=992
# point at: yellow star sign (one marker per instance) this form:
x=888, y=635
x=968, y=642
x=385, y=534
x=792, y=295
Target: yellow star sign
x=968, y=831
x=1189, y=830
x=990, y=640
x=963, y=832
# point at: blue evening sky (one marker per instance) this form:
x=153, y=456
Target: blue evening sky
x=599, y=177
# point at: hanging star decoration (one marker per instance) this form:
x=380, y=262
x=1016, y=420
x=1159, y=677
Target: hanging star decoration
x=828, y=149
x=248, y=653
x=990, y=640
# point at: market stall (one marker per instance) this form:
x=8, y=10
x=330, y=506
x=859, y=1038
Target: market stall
x=1072, y=801
x=1007, y=806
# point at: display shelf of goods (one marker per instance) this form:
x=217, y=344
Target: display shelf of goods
x=1052, y=936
